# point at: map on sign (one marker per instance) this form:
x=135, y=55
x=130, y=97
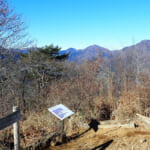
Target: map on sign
x=61, y=111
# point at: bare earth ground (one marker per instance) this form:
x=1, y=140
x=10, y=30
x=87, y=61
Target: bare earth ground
x=111, y=135
x=116, y=138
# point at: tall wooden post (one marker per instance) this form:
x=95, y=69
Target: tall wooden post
x=16, y=131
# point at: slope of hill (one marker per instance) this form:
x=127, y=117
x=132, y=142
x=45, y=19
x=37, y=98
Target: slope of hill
x=137, y=55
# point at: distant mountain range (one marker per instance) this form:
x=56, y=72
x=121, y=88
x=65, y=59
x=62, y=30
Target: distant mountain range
x=79, y=55
x=88, y=53
x=139, y=53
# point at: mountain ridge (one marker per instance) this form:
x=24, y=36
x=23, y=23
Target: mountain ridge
x=92, y=51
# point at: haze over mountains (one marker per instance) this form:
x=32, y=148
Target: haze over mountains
x=78, y=55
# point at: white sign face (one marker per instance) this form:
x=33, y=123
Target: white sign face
x=61, y=111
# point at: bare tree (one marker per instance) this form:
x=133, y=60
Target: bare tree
x=12, y=28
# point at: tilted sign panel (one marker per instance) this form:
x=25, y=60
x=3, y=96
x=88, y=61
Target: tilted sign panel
x=61, y=111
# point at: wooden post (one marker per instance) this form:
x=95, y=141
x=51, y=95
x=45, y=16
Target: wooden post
x=16, y=131
x=62, y=127
x=62, y=131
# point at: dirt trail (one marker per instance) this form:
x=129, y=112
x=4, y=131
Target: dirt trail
x=117, y=138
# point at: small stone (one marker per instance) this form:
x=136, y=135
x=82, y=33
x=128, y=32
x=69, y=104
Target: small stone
x=143, y=140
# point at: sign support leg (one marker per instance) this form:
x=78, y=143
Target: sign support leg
x=62, y=127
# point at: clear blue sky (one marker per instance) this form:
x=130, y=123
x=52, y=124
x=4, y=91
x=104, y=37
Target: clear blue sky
x=79, y=23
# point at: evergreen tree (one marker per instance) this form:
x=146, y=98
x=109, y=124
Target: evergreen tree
x=51, y=52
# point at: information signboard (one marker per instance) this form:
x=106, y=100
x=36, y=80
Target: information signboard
x=61, y=111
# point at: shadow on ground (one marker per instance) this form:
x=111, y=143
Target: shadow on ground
x=103, y=146
x=92, y=125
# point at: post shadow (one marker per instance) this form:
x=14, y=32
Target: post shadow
x=103, y=146
x=92, y=125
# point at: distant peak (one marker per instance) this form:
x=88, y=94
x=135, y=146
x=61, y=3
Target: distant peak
x=144, y=42
x=71, y=48
x=94, y=47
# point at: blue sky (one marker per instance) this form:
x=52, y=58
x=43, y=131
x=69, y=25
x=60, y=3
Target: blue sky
x=112, y=24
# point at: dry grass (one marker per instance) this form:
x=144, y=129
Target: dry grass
x=89, y=95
